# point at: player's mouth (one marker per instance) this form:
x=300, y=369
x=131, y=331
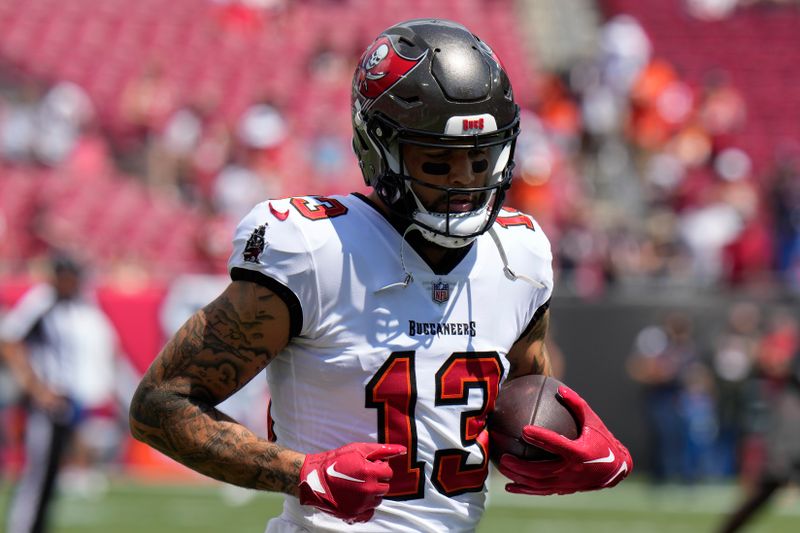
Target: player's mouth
x=457, y=204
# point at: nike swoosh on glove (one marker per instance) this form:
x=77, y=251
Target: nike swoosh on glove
x=595, y=460
x=348, y=482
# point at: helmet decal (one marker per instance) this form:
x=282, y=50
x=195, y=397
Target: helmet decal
x=382, y=66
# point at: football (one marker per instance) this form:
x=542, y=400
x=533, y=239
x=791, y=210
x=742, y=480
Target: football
x=527, y=400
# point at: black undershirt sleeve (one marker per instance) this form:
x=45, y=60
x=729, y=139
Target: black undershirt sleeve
x=283, y=292
x=536, y=316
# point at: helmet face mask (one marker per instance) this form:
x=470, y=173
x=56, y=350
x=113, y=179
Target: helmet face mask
x=443, y=90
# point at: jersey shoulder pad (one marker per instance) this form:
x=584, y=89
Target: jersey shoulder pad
x=261, y=230
x=528, y=251
x=522, y=233
x=284, y=240
x=290, y=225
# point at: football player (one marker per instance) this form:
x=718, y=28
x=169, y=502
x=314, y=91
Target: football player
x=387, y=323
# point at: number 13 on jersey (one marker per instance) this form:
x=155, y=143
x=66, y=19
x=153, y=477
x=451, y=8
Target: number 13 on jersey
x=393, y=392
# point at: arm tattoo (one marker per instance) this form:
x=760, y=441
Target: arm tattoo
x=529, y=354
x=541, y=362
x=212, y=356
x=539, y=329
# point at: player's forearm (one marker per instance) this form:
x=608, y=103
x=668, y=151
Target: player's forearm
x=208, y=441
x=529, y=354
x=15, y=358
x=214, y=354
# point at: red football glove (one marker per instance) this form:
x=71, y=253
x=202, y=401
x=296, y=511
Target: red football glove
x=595, y=460
x=348, y=482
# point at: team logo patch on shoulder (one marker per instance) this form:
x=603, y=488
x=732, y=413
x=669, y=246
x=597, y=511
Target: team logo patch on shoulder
x=255, y=244
x=440, y=291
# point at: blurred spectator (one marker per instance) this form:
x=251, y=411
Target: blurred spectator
x=171, y=151
x=330, y=155
x=778, y=375
x=145, y=104
x=749, y=256
x=262, y=126
x=722, y=109
x=60, y=348
x=238, y=186
x=582, y=250
x=784, y=200
x=63, y=112
x=624, y=51
x=709, y=228
x=18, y=129
x=559, y=113
x=732, y=359
x=698, y=410
x=330, y=66
x=210, y=155
x=662, y=356
x=148, y=98
x=710, y=9
x=212, y=242
x=661, y=103
x=250, y=173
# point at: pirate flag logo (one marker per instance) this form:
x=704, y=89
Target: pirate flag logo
x=381, y=67
x=255, y=244
x=440, y=292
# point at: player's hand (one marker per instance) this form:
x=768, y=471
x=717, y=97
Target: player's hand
x=595, y=460
x=348, y=482
x=55, y=405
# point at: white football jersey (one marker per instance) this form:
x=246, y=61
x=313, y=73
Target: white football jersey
x=375, y=360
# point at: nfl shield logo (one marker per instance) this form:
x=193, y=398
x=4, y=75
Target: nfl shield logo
x=440, y=291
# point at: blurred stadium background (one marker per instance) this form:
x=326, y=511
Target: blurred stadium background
x=660, y=151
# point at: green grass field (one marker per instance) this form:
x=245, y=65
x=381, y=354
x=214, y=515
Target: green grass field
x=633, y=507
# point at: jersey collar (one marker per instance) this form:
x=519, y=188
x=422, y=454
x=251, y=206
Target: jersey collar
x=415, y=240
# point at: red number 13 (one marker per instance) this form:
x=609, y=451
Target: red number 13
x=393, y=392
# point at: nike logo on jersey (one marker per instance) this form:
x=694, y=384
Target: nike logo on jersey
x=331, y=471
x=280, y=215
x=608, y=459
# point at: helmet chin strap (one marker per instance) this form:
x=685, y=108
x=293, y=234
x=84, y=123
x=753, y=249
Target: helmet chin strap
x=408, y=279
x=442, y=240
x=510, y=274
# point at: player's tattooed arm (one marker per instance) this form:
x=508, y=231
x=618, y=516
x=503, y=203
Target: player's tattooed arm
x=529, y=354
x=213, y=355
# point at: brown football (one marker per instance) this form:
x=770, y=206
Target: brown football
x=527, y=400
